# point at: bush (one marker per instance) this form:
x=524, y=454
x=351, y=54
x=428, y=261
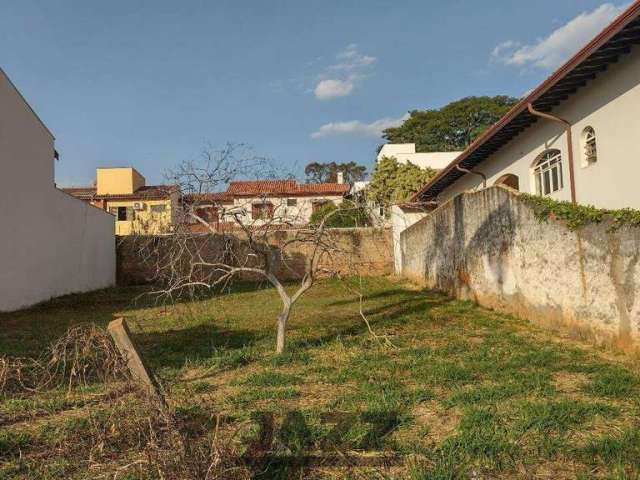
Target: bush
x=346, y=215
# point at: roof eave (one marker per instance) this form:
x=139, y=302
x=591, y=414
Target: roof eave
x=597, y=42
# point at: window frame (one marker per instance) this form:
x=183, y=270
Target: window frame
x=161, y=206
x=547, y=172
x=589, y=140
x=259, y=209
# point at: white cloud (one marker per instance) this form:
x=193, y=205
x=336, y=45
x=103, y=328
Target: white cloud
x=552, y=51
x=341, y=77
x=350, y=58
x=328, y=89
x=356, y=127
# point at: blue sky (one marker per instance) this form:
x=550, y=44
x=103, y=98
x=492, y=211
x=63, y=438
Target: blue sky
x=150, y=83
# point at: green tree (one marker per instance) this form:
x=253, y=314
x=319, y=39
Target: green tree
x=346, y=215
x=451, y=128
x=328, y=172
x=394, y=182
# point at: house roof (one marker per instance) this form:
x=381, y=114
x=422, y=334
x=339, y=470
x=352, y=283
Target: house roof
x=285, y=187
x=594, y=58
x=222, y=197
x=148, y=192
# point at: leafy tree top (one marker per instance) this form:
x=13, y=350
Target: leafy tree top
x=394, y=182
x=453, y=127
x=328, y=172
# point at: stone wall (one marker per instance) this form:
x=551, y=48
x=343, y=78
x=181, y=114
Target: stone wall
x=365, y=251
x=488, y=247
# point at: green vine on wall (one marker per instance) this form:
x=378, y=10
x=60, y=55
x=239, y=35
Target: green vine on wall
x=578, y=216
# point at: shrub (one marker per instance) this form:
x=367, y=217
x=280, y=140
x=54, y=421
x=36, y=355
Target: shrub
x=346, y=215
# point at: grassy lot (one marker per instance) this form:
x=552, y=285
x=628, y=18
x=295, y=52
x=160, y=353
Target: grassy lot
x=462, y=393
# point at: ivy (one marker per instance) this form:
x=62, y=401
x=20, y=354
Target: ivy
x=578, y=216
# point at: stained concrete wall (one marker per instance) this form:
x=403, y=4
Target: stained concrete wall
x=50, y=243
x=364, y=251
x=488, y=247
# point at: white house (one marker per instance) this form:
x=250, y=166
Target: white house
x=574, y=137
x=51, y=243
x=406, y=152
x=260, y=202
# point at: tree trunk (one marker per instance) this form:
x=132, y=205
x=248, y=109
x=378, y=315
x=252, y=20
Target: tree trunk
x=282, y=329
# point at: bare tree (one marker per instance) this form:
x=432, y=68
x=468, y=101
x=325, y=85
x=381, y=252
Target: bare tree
x=218, y=239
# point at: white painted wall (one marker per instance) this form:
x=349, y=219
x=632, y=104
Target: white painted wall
x=611, y=105
x=50, y=243
x=401, y=219
x=406, y=152
x=299, y=214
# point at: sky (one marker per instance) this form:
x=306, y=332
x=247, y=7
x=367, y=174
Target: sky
x=152, y=83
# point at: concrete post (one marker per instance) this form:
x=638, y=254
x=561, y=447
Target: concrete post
x=121, y=335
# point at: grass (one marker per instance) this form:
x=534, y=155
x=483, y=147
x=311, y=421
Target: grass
x=463, y=392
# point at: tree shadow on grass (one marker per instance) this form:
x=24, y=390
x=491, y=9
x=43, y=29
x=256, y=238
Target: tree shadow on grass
x=379, y=317
x=200, y=345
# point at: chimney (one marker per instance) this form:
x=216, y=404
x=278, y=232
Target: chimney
x=340, y=177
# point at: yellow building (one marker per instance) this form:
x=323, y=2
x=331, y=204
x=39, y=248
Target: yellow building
x=137, y=208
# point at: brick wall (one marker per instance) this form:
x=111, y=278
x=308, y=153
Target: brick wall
x=364, y=251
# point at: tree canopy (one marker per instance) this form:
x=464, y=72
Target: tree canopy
x=394, y=182
x=328, y=172
x=451, y=128
x=346, y=215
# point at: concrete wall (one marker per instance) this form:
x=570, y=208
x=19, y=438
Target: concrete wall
x=401, y=218
x=51, y=243
x=365, y=251
x=488, y=247
x=118, y=180
x=609, y=104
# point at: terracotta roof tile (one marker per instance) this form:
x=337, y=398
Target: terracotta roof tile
x=209, y=197
x=146, y=192
x=285, y=187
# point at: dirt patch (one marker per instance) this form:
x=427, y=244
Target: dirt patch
x=570, y=383
x=475, y=340
x=560, y=469
x=440, y=423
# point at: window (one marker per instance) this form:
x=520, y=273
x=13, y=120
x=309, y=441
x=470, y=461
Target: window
x=209, y=214
x=589, y=150
x=122, y=214
x=292, y=202
x=261, y=211
x=510, y=180
x=548, y=172
x=158, y=208
x=317, y=205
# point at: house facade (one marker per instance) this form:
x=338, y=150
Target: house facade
x=137, y=208
x=260, y=202
x=51, y=243
x=406, y=152
x=573, y=138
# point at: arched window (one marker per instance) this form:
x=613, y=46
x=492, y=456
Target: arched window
x=509, y=180
x=548, y=172
x=589, y=150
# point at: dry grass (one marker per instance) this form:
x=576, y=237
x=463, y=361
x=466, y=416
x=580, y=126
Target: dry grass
x=464, y=393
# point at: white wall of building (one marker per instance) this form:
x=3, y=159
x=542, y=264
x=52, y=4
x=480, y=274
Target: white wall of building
x=406, y=152
x=50, y=243
x=401, y=218
x=611, y=105
x=295, y=214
